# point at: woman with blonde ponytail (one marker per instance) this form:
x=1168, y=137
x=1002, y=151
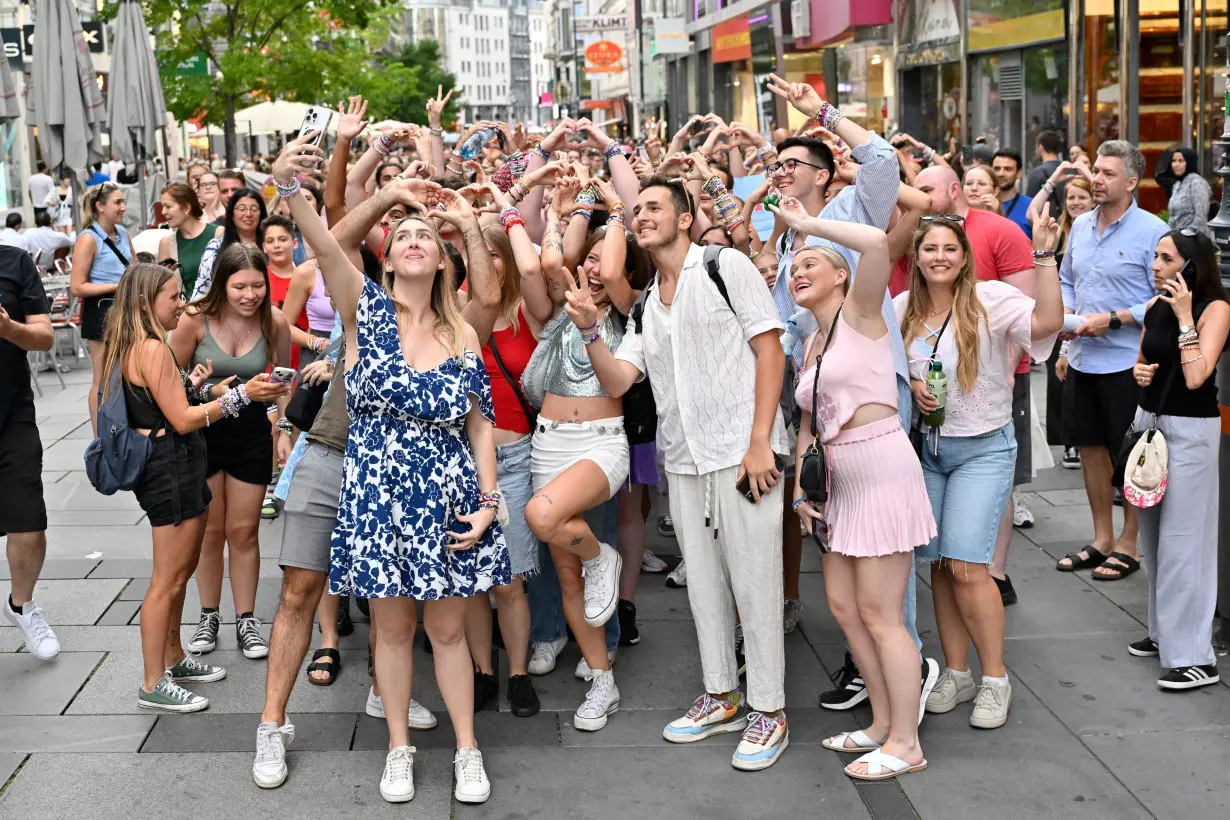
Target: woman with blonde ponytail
x=977, y=332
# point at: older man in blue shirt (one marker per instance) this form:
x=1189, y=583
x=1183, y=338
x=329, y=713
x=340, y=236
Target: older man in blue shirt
x=1107, y=279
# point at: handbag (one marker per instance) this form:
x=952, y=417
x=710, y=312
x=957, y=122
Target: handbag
x=531, y=415
x=813, y=472
x=916, y=434
x=1130, y=456
x=116, y=458
x=302, y=408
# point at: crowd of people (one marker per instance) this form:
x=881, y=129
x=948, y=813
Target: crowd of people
x=467, y=378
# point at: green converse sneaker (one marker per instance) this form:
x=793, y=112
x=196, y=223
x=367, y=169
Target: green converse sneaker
x=169, y=696
x=191, y=669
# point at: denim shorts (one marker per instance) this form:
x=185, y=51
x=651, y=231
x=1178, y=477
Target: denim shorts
x=512, y=462
x=968, y=481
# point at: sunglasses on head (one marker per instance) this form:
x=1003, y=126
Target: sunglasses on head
x=1190, y=233
x=954, y=218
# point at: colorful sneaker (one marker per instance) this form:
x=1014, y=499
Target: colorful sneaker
x=206, y=638
x=763, y=742
x=190, y=669
x=169, y=696
x=1189, y=677
x=652, y=564
x=544, y=655
x=583, y=672
x=709, y=715
x=421, y=717
x=601, y=701
x=793, y=610
x=991, y=705
x=951, y=690
x=601, y=584
x=269, y=768
x=666, y=527
x=397, y=782
x=471, y=777
x=678, y=577
x=40, y=640
x=248, y=634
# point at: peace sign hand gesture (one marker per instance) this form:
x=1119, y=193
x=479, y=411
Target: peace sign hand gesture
x=580, y=303
x=435, y=108
x=1046, y=230
x=800, y=95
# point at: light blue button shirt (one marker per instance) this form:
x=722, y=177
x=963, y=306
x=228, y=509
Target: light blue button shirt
x=1106, y=272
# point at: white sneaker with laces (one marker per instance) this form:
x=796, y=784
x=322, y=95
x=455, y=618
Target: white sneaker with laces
x=543, y=655
x=602, y=584
x=602, y=700
x=583, y=672
x=1021, y=516
x=40, y=640
x=472, y=783
x=397, y=782
x=652, y=563
x=248, y=636
x=421, y=717
x=678, y=577
x=269, y=768
x=991, y=705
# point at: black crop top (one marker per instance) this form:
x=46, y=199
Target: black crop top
x=143, y=411
x=1160, y=346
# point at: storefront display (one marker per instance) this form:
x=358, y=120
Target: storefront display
x=929, y=61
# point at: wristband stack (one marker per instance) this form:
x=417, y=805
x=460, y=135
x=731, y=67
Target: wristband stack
x=723, y=202
x=829, y=116
x=509, y=217
x=517, y=192
x=287, y=191
x=234, y=400
x=489, y=500
x=383, y=145
x=616, y=215
x=613, y=150
x=1189, y=340
x=546, y=155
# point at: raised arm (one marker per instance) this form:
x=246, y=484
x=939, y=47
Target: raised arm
x=615, y=252
x=538, y=304
x=914, y=204
x=482, y=284
x=623, y=178
x=349, y=125
x=1047, y=318
x=435, y=119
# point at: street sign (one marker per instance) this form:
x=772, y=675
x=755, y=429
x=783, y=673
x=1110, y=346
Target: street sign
x=195, y=66
x=603, y=57
x=595, y=23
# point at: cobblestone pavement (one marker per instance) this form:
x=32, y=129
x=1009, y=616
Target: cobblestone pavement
x=1089, y=736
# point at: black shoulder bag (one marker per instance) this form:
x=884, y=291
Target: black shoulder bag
x=814, y=472
x=916, y=433
x=302, y=408
x=531, y=415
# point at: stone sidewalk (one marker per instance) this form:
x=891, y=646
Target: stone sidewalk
x=1089, y=735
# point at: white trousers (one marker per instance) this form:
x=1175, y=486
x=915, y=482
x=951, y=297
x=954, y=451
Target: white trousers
x=740, y=567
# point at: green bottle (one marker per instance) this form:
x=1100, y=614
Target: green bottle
x=771, y=199
x=937, y=386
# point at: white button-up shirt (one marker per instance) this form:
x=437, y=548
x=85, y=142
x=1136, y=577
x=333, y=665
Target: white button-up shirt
x=701, y=367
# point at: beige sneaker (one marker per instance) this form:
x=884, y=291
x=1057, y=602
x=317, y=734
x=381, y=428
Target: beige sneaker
x=991, y=705
x=949, y=691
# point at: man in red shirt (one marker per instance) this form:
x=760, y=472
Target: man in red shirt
x=1001, y=251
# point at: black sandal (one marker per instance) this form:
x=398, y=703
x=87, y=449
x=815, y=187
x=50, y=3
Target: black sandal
x=1129, y=563
x=1079, y=563
x=334, y=667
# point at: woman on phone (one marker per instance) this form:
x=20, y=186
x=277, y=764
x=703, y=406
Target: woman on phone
x=237, y=333
x=416, y=519
x=191, y=234
x=170, y=408
x=101, y=253
x=244, y=215
x=1184, y=335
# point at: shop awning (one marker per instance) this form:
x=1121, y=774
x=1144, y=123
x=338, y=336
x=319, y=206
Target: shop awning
x=831, y=19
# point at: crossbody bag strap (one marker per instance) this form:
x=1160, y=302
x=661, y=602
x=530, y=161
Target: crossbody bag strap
x=530, y=415
x=114, y=248
x=815, y=382
x=917, y=425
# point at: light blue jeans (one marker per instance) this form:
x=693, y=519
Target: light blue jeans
x=969, y=480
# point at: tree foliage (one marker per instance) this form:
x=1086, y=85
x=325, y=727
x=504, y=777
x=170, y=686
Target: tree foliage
x=402, y=82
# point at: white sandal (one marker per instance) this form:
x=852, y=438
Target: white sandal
x=882, y=766
x=864, y=743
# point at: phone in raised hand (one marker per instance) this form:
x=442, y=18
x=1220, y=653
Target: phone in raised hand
x=316, y=118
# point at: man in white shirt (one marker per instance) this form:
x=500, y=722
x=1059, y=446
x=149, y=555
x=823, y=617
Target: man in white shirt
x=712, y=352
x=40, y=185
x=42, y=241
x=11, y=233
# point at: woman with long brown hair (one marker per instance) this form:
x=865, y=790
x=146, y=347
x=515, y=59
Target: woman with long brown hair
x=171, y=409
x=192, y=233
x=236, y=332
x=973, y=332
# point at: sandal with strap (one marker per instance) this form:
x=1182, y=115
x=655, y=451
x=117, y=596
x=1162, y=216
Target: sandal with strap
x=882, y=766
x=1129, y=565
x=862, y=741
x=1094, y=558
x=333, y=666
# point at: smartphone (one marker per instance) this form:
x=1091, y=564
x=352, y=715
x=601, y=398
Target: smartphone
x=1188, y=272
x=745, y=484
x=282, y=375
x=643, y=154
x=316, y=119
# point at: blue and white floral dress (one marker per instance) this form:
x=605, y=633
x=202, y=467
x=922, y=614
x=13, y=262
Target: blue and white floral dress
x=409, y=471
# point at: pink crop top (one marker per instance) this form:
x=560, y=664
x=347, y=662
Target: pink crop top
x=855, y=371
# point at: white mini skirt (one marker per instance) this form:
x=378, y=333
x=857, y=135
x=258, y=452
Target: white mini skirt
x=560, y=444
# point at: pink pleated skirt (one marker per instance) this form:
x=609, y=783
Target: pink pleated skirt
x=878, y=502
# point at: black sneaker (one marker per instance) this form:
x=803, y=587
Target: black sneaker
x=1071, y=458
x=345, y=626
x=629, y=635
x=1006, y=592
x=486, y=690
x=361, y=603
x=1144, y=648
x=740, y=660
x=522, y=697
x=850, y=690
x=1189, y=677
x=249, y=638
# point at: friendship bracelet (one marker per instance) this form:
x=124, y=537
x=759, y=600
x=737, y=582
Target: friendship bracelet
x=508, y=226
x=587, y=329
x=508, y=212
x=546, y=155
x=437, y=131
x=613, y=150
x=797, y=502
x=591, y=338
x=765, y=151
x=518, y=192
x=584, y=212
x=1192, y=360
x=828, y=116
x=735, y=220
x=1044, y=254
x=1038, y=263
x=287, y=191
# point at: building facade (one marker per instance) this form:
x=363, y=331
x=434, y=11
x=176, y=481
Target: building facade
x=475, y=44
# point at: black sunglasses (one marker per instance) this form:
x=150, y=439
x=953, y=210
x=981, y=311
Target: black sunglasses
x=789, y=165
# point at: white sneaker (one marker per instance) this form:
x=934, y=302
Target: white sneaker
x=421, y=717
x=602, y=584
x=543, y=655
x=652, y=563
x=602, y=700
x=40, y=641
x=397, y=782
x=583, y=672
x=472, y=783
x=991, y=705
x=678, y=578
x=269, y=768
x=1021, y=516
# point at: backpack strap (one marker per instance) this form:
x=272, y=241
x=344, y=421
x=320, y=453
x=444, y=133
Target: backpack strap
x=637, y=314
x=712, y=252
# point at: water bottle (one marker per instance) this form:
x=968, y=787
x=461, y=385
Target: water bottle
x=791, y=336
x=477, y=141
x=937, y=386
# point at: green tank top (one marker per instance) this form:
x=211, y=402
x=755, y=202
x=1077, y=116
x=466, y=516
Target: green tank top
x=225, y=365
x=189, y=252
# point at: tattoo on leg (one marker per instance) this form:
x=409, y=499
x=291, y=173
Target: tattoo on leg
x=545, y=497
x=576, y=542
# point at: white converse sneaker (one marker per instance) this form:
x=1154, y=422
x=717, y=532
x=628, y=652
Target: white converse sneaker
x=421, y=717
x=269, y=768
x=583, y=672
x=602, y=585
x=472, y=783
x=40, y=640
x=543, y=655
x=397, y=782
x=601, y=701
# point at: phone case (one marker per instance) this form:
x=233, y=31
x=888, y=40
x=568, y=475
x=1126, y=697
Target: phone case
x=745, y=485
x=316, y=119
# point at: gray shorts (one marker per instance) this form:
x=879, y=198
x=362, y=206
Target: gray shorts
x=1024, y=471
x=310, y=512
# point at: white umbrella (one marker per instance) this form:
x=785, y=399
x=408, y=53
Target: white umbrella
x=136, y=108
x=65, y=104
x=278, y=117
x=9, y=109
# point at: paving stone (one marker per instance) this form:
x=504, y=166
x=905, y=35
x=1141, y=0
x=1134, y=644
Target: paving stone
x=211, y=731
x=85, y=638
x=125, y=568
x=35, y=687
x=120, y=613
x=74, y=733
x=267, y=596
x=136, y=589
x=111, y=542
x=76, y=493
x=65, y=455
x=655, y=601
x=11, y=638
x=57, y=427
x=76, y=602
x=9, y=761
x=493, y=730
x=324, y=784
x=1188, y=782
x=1065, y=498
x=57, y=569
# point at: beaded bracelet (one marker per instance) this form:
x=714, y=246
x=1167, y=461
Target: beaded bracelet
x=829, y=116
x=583, y=212
x=202, y=393
x=383, y=145
x=287, y=191
x=590, y=338
x=1193, y=359
x=737, y=219
x=765, y=151
x=797, y=502
x=436, y=132
x=489, y=495
x=617, y=219
x=613, y=150
x=546, y=155
x=1044, y=254
x=508, y=226
x=507, y=213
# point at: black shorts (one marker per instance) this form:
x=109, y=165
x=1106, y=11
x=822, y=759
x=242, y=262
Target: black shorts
x=94, y=310
x=242, y=447
x=173, y=488
x=1021, y=421
x=1098, y=408
x=22, y=508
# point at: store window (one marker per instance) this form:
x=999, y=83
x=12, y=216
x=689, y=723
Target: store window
x=930, y=109
x=1015, y=95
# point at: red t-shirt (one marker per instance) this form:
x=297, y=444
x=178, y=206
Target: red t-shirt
x=1000, y=249
x=515, y=352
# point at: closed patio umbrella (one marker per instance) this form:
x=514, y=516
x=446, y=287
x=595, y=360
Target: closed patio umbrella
x=9, y=110
x=136, y=109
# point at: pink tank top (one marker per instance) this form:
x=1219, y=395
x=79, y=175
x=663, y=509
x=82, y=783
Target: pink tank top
x=319, y=308
x=855, y=371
